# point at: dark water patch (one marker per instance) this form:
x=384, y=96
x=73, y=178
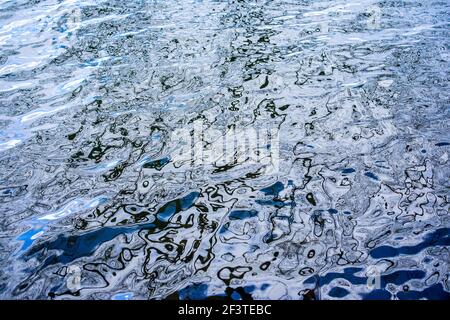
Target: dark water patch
x=439, y=237
x=338, y=292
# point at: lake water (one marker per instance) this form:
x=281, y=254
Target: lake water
x=233, y=149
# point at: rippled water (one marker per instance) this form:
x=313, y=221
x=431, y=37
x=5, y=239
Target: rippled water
x=94, y=203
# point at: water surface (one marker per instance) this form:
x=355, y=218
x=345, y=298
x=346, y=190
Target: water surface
x=92, y=188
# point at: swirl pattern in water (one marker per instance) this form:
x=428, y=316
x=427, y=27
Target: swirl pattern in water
x=254, y=149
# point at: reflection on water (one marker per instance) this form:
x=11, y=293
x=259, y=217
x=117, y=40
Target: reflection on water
x=96, y=203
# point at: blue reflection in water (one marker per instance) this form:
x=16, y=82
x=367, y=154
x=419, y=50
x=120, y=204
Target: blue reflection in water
x=76, y=246
x=29, y=237
x=123, y=296
x=439, y=237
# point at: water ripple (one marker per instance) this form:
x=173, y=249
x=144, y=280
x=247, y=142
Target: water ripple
x=100, y=105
